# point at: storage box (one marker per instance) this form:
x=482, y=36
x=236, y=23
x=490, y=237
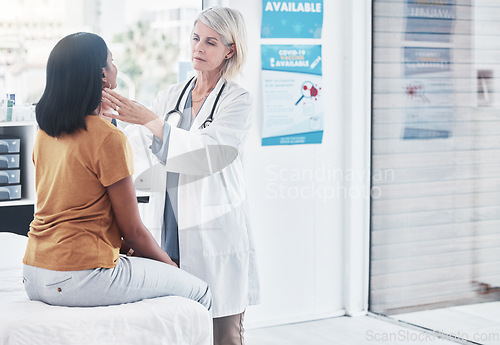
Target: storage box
x=10, y=145
x=10, y=177
x=9, y=161
x=10, y=192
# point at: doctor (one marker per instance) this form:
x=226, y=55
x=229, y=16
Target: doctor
x=199, y=128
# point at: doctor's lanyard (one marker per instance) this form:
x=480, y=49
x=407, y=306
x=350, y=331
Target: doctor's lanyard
x=177, y=113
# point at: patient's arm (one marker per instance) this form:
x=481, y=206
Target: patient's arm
x=124, y=204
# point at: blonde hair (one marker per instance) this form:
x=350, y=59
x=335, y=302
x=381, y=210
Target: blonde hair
x=230, y=25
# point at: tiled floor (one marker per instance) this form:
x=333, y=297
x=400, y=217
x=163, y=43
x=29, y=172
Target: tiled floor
x=342, y=331
x=479, y=323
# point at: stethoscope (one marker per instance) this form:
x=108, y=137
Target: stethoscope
x=174, y=116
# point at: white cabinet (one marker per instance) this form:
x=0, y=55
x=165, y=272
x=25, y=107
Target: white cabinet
x=26, y=131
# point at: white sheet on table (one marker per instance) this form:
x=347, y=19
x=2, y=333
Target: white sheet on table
x=165, y=320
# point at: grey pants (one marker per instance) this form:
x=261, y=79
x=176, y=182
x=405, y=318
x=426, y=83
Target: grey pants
x=133, y=279
x=228, y=330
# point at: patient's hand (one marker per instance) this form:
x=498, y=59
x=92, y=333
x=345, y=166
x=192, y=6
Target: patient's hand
x=125, y=248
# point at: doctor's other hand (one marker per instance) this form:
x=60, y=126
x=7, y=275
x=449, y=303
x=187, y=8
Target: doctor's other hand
x=128, y=110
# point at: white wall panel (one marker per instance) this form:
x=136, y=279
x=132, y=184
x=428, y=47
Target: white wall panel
x=299, y=234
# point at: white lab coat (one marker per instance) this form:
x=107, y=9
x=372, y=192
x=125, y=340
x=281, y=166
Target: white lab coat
x=215, y=240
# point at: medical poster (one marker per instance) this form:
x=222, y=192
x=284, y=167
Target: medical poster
x=292, y=19
x=430, y=20
x=292, y=94
x=429, y=104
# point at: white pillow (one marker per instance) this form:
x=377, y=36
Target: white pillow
x=12, y=248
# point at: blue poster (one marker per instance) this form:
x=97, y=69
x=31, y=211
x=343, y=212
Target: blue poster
x=292, y=19
x=430, y=20
x=292, y=94
x=424, y=60
x=428, y=85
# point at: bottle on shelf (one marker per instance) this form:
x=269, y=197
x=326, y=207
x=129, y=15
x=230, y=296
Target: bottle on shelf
x=11, y=101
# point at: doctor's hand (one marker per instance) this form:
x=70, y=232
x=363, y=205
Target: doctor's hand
x=128, y=110
x=131, y=112
x=106, y=108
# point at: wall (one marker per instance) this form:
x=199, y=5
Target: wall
x=301, y=238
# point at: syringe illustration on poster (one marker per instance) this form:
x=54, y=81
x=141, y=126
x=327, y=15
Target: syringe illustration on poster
x=292, y=94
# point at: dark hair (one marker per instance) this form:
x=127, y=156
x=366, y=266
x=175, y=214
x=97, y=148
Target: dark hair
x=74, y=83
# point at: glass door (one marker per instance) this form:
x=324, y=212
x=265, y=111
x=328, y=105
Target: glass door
x=435, y=223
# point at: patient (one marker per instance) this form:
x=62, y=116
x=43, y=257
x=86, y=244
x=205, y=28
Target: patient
x=86, y=202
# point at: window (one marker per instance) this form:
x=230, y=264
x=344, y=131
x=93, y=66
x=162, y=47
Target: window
x=148, y=39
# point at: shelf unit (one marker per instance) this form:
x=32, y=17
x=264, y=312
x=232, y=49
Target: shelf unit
x=27, y=132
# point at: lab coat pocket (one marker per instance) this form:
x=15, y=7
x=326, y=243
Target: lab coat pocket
x=225, y=233
x=216, y=192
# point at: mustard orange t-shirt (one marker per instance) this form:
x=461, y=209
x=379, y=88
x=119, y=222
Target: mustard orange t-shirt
x=74, y=228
